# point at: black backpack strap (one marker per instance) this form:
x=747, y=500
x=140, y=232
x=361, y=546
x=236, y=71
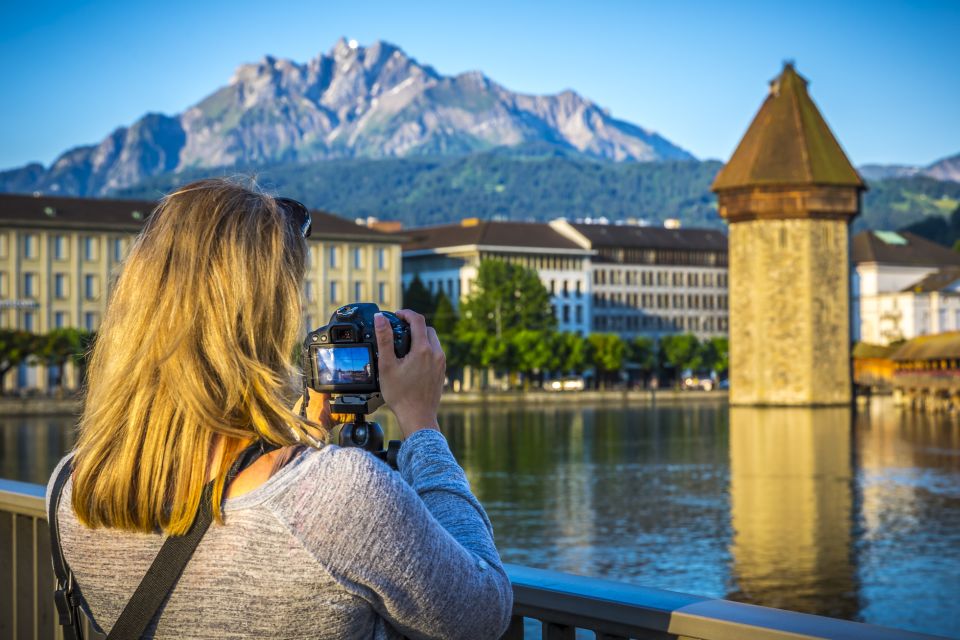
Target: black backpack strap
x=66, y=595
x=174, y=555
x=166, y=568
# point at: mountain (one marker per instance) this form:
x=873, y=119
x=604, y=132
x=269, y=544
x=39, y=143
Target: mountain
x=540, y=183
x=353, y=102
x=944, y=169
x=537, y=184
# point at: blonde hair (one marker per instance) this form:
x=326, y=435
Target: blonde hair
x=194, y=353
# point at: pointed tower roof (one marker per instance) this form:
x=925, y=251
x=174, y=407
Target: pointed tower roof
x=788, y=144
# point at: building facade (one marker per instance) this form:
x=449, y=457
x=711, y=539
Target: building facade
x=789, y=193
x=60, y=256
x=446, y=258
x=622, y=279
x=654, y=281
x=904, y=286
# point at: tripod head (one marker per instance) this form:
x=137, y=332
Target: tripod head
x=360, y=433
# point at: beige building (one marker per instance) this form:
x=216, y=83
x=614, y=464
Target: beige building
x=60, y=256
x=789, y=193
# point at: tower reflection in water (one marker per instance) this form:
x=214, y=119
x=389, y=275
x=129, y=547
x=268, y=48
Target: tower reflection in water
x=792, y=504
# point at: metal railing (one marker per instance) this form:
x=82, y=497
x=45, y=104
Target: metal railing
x=553, y=605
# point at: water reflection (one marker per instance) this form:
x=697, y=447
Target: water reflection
x=792, y=509
x=788, y=508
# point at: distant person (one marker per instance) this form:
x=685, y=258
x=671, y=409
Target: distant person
x=192, y=366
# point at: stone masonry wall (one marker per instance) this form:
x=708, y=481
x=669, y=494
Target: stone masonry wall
x=789, y=312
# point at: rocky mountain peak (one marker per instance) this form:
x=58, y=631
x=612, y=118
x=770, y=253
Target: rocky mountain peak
x=354, y=101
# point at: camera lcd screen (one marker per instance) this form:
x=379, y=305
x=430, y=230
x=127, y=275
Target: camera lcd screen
x=345, y=366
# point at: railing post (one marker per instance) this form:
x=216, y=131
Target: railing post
x=554, y=631
x=515, y=630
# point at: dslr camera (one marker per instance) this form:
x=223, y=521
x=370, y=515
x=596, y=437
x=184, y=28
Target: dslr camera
x=340, y=358
x=342, y=355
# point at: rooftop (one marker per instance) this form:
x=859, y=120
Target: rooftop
x=937, y=281
x=473, y=232
x=129, y=215
x=933, y=347
x=636, y=237
x=788, y=144
x=901, y=248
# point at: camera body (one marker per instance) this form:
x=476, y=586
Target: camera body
x=341, y=356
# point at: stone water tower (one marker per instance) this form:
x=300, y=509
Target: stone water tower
x=789, y=193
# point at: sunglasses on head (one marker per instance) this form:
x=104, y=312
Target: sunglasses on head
x=298, y=213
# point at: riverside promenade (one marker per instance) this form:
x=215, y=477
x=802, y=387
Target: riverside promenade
x=50, y=406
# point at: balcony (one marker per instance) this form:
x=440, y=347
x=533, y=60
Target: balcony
x=547, y=604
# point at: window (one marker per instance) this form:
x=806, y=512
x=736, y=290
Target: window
x=357, y=291
x=3, y=285
x=579, y=314
x=381, y=258
x=566, y=313
x=332, y=257
x=29, y=285
x=553, y=287
x=118, y=249
x=3, y=245
x=357, y=258
x=59, y=320
x=308, y=291
x=90, y=321
x=89, y=248
x=28, y=320
x=382, y=292
x=90, y=287
x=578, y=291
x=29, y=246
x=60, y=285
x=334, y=294
x=59, y=248
x=566, y=291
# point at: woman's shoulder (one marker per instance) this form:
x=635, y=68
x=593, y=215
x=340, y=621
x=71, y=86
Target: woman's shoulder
x=345, y=474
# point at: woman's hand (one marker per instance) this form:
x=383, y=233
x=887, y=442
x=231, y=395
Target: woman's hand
x=411, y=386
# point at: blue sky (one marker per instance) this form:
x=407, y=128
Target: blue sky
x=885, y=74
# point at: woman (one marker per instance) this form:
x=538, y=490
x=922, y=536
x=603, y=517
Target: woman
x=193, y=364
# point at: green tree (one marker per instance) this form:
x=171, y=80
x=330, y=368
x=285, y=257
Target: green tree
x=58, y=347
x=417, y=298
x=16, y=347
x=681, y=352
x=445, y=323
x=505, y=299
x=570, y=353
x=642, y=352
x=607, y=352
x=534, y=352
x=717, y=357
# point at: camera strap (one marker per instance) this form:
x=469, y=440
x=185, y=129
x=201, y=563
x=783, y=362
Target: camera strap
x=163, y=573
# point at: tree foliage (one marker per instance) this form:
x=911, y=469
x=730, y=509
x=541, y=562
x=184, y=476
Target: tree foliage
x=417, y=298
x=607, y=351
x=505, y=300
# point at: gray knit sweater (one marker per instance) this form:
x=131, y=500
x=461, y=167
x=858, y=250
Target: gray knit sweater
x=334, y=545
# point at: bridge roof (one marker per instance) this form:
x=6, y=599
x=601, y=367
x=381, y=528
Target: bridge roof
x=788, y=144
x=933, y=347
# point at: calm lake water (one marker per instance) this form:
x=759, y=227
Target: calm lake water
x=853, y=516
